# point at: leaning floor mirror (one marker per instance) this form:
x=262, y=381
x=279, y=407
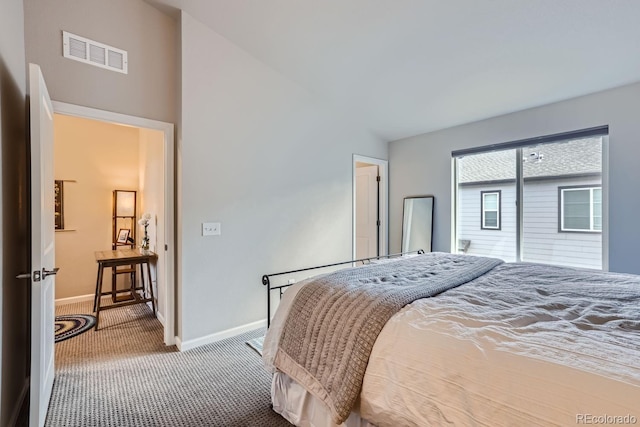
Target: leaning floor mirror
x=417, y=223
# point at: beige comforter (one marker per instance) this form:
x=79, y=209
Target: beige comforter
x=335, y=320
x=522, y=345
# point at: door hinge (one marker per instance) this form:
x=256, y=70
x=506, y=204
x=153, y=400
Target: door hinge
x=378, y=223
x=378, y=178
x=166, y=247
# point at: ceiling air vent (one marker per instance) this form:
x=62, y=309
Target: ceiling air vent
x=94, y=53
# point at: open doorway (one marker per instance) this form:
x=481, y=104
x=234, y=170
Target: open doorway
x=96, y=153
x=370, y=195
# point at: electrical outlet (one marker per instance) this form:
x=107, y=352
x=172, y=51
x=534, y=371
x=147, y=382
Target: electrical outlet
x=211, y=229
x=291, y=281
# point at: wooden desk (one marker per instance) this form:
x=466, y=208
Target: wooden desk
x=117, y=258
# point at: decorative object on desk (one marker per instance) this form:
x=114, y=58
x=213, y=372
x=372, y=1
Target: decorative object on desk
x=144, y=222
x=123, y=236
x=58, y=187
x=70, y=326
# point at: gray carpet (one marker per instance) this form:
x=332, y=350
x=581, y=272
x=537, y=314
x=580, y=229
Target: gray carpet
x=123, y=375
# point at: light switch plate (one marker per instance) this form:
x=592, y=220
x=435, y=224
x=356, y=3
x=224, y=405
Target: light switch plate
x=211, y=229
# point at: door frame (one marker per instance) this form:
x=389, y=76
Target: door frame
x=168, y=129
x=383, y=170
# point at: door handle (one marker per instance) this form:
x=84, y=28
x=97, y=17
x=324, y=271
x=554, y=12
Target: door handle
x=35, y=277
x=46, y=273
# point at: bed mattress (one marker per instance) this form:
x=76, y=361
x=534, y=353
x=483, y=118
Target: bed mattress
x=522, y=345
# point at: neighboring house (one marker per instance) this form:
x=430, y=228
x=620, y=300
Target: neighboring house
x=562, y=203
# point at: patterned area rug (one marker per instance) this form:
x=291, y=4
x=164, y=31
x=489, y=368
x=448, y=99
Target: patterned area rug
x=256, y=344
x=72, y=325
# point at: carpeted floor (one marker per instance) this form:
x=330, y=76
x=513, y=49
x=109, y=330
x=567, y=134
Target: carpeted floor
x=123, y=375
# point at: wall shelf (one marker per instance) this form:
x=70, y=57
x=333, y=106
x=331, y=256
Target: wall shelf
x=123, y=217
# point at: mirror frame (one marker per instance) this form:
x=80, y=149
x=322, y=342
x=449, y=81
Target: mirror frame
x=433, y=201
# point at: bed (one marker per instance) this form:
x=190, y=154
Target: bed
x=505, y=344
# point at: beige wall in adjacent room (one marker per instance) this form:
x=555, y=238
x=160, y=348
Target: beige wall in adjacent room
x=149, y=36
x=100, y=157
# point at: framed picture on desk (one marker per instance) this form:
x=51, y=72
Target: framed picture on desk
x=123, y=235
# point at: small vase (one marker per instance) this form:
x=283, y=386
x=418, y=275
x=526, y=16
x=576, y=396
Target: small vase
x=144, y=247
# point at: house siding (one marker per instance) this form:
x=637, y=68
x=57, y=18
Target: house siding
x=495, y=243
x=541, y=240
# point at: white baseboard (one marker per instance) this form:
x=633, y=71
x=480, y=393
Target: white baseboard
x=160, y=318
x=208, y=339
x=71, y=300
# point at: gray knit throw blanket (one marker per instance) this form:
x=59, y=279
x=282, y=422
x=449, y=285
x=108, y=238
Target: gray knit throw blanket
x=335, y=320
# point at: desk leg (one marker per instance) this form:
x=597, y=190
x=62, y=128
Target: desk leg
x=153, y=300
x=98, y=290
x=95, y=296
x=113, y=283
x=96, y=303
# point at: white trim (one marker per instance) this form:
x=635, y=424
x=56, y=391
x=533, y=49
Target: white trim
x=218, y=336
x=605, y=203
x=383, y=171
x=496, y=210
x=453, y=229
x=160, y=318
x=591, y=228
x=72, y=300
x=169, y=197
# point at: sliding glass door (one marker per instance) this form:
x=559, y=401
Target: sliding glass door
x=486, y=214
x=535, y=202
x=562, y=203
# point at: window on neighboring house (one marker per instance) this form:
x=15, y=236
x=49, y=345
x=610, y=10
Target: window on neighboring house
x=581, y=209
x=490, y=210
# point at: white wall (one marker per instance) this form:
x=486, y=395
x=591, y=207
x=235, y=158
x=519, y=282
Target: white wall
x=100, y=157
x=268, y=160
x=422, y=164
x=151, y=196
x=149, y=90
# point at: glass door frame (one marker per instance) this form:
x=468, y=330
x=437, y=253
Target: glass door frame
x=600, y=131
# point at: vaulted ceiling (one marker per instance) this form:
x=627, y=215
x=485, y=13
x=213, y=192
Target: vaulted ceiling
x=404, y=67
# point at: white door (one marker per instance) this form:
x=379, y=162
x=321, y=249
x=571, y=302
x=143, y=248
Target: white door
x=366, y=212
x=42, y=249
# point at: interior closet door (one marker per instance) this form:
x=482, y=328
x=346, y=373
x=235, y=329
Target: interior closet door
x=367, y=214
